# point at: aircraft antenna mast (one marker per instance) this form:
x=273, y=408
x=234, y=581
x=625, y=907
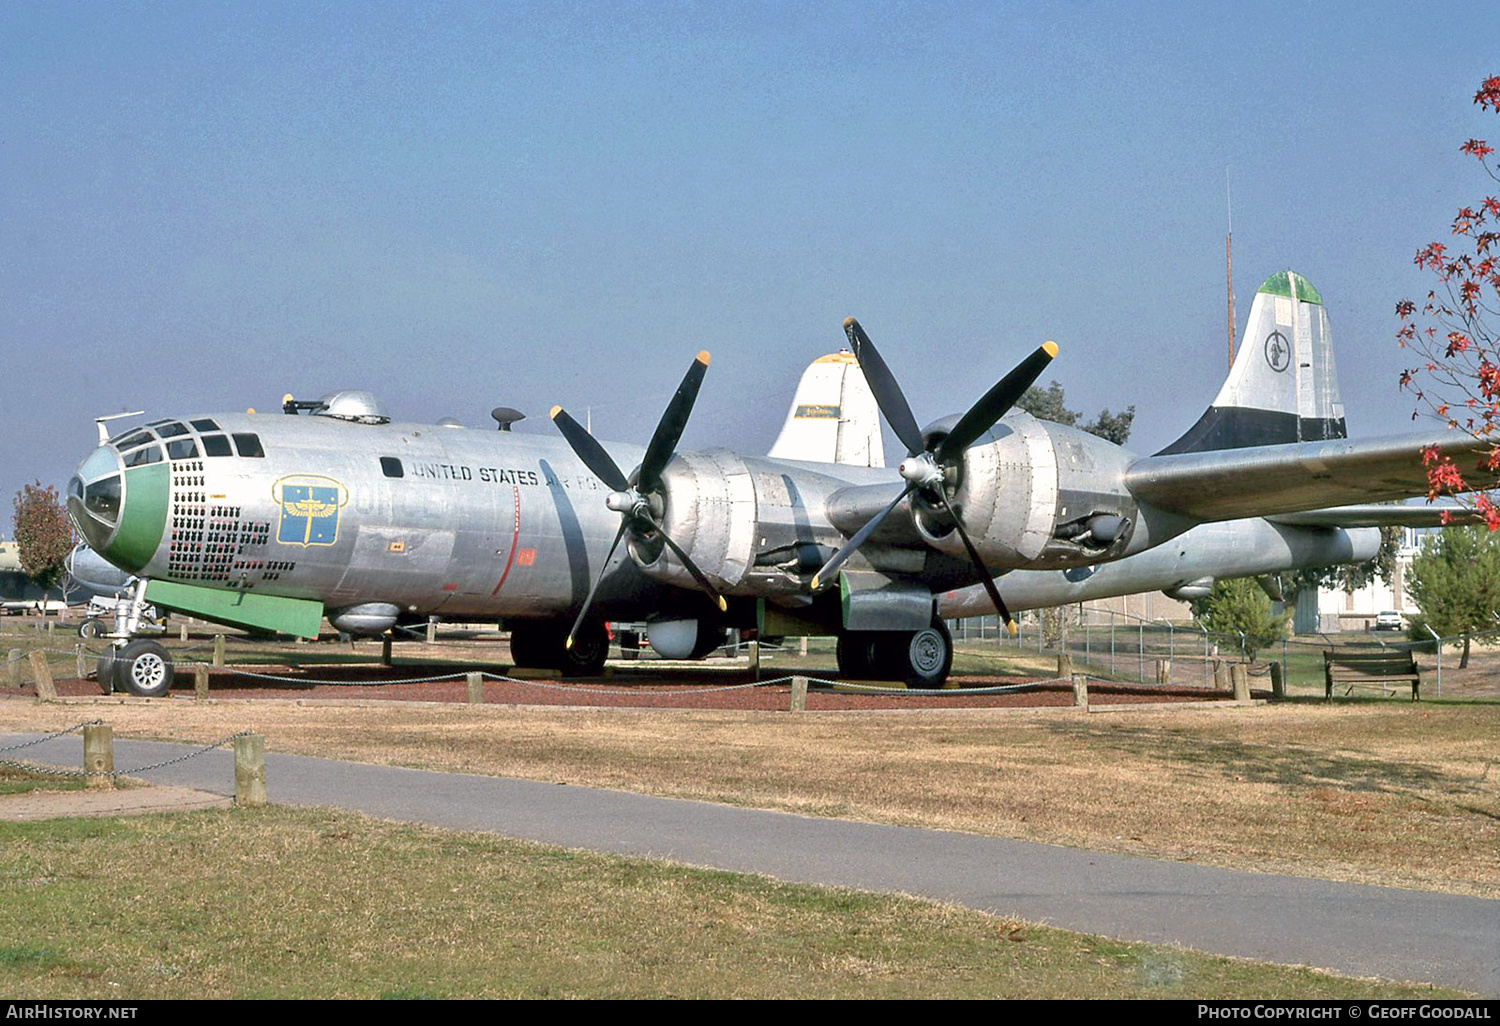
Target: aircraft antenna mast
x=1229, y=265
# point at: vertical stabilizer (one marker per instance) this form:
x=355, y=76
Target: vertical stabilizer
x=1283, y=386
x=833, y=418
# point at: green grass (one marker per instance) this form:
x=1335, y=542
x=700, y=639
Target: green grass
x=280, y=903
x=20, y=781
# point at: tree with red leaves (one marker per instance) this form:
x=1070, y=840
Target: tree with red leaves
x=1454, y=335
x=44, y=535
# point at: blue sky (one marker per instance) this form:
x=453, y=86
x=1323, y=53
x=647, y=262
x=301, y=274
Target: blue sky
x=464, y=205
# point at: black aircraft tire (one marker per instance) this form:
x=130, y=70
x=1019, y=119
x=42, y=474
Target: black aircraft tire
x=586, y=657
x=856, y=655
x=93, y=628
x=928, y=656
x=145, y=669
x=104, y=670
x=528, y=646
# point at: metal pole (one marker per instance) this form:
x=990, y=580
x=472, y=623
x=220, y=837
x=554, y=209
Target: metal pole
x=1111, y=642
x=1141, y=650
x=1428, y=628
x=1205, y=658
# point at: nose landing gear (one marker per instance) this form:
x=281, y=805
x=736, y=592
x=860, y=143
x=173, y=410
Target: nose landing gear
x=141, y=667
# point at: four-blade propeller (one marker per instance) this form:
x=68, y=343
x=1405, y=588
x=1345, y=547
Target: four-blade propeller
x=927, y=467
x=632, y=499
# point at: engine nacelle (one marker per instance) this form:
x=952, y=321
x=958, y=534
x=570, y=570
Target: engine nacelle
x=710, y=511
x=1033, y=494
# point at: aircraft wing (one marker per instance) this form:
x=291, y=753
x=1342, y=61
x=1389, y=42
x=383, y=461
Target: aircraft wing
x=1376, y=515
x=1259, y=481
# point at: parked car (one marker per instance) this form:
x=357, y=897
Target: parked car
x=1390, y=620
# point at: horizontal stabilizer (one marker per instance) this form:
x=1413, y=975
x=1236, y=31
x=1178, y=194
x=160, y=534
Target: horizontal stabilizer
x=1264, y=480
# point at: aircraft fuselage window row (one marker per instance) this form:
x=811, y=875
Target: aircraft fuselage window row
x=139, y=448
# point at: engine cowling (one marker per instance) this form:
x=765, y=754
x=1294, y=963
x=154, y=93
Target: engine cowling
x=1033, y=494
x=710, y=510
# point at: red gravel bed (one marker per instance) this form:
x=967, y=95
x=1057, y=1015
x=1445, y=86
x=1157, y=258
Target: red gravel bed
x=639, y=688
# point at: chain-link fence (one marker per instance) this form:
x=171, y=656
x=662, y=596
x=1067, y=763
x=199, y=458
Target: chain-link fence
x=1121, y=647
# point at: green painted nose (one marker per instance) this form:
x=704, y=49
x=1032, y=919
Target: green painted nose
x=120, y=512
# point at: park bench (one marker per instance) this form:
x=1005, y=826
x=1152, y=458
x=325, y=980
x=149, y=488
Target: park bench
x=1364, y=667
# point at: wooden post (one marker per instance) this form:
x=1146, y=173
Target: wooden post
x=755, y=659
x=250, y=770
x=182, y=631
x=1081, y=690
x=799, y=694
x=80, y=663
x=1240, y=678
x=1278, y=685
x=1221, y=676
x=13, y=667
x=218, y=650
x=1164, y=671
x=99, y=755
x=431, y=631
x=200, y=681
x=1064, y=665
x=802, y=648
x=42, y=674
x=476, y=688
x=385, y=649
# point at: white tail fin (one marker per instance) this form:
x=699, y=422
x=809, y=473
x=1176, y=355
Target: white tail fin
x=833, y=418
x=1283, y=386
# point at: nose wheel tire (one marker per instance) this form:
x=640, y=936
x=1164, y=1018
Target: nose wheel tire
x=142, y=668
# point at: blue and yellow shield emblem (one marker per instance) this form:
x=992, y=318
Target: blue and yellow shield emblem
x=309, y=509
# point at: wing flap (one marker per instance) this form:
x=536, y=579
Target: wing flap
x=1266, y=480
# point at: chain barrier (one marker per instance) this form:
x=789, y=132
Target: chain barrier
x=54, y=771
x=902, y=692
x=49, y=737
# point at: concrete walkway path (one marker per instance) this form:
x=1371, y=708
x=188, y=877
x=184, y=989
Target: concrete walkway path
x=1349, y=928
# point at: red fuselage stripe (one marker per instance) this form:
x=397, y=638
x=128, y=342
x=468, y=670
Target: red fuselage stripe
x=514, y=537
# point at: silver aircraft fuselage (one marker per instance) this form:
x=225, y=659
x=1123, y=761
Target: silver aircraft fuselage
x=436, y=520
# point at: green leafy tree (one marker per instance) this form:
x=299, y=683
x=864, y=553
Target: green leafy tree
x=1455, y=582
x=1239, y=605
x=1051, y=404
x=44, y=535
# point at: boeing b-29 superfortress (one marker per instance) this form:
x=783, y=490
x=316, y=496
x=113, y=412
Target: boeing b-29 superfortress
x=273, y=522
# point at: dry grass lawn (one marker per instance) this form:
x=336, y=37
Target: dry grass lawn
x=1390, y=793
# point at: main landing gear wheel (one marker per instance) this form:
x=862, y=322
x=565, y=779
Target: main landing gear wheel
x=541, y=645
x=585, y=657
x=93, y=628
x=856, y=655
x=920, y=658
x=929, y=656
x=142, y=668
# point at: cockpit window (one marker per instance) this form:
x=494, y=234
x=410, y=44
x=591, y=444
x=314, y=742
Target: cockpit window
x=248, y=445
x=205, y=425
x=215, y=445
x=133, y=439
x=182, y=449
x=171, y=429
x=141, y=457
x=102, y=498
x=390, y=466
